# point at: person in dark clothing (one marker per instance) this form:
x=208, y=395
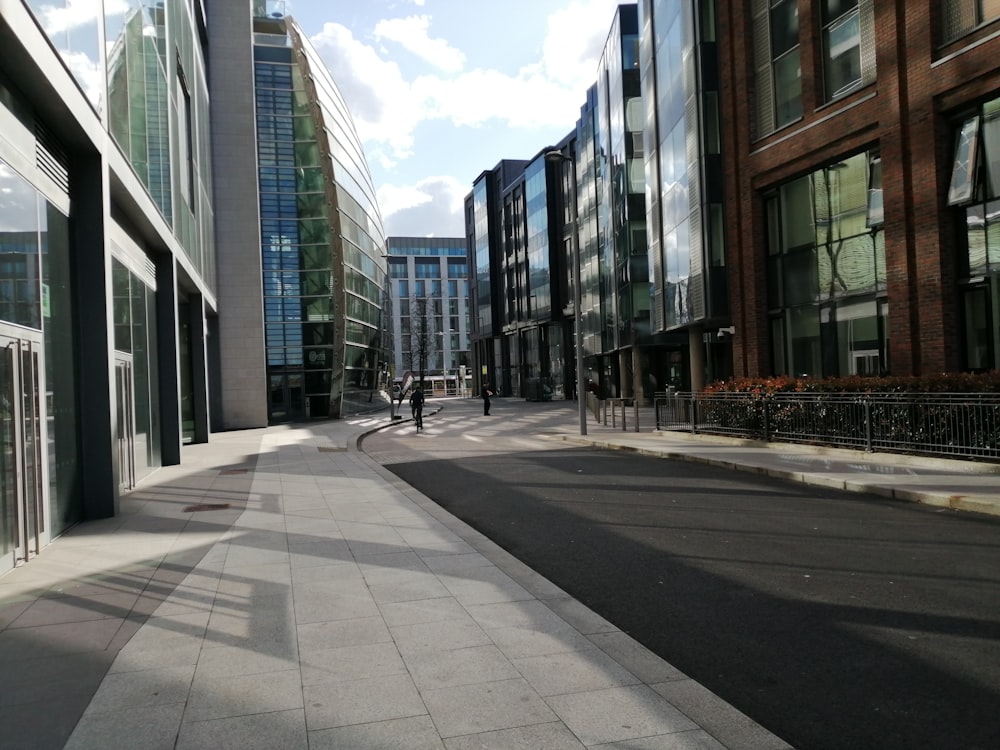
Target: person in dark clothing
x=417, y=407
x=486, y=393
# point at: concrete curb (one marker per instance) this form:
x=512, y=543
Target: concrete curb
x=951, y=501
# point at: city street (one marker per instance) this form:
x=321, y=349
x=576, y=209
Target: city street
x=836, y=620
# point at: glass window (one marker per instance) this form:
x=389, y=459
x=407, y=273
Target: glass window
x=977, y=330
x=963, y=168
x=784, y=26
x=804, y=340
x=990, y=136
x=876, y=214
x=842, y=50
x=962, y=16
x=787, y=88
x=20, y=249
x=798, y=227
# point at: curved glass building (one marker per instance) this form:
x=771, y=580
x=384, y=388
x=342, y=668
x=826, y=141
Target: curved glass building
x=316, y=344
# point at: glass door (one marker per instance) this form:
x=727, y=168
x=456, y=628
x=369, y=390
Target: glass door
x=24, y=528
x=125, y=427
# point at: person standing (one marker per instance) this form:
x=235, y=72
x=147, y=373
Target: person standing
x=417, y=407
x=486, y=393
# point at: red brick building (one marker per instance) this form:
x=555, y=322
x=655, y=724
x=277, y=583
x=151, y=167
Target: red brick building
x=862, y=139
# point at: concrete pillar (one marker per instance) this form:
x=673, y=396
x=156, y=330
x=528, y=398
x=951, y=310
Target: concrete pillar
x=92, y=269
x=168, y=360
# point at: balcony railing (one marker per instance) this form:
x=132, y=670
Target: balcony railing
x=965, y=426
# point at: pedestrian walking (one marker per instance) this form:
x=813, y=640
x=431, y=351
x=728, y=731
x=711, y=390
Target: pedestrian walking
x=486, y=393
x=417, y=407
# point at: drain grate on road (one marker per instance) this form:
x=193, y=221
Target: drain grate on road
x=324, y=449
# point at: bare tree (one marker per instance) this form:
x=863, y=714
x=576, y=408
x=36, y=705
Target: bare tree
x=422, y=341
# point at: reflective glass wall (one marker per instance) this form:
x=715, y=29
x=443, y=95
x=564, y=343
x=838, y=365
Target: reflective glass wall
x=36, y=295
x=827, y=272
x=322, y=238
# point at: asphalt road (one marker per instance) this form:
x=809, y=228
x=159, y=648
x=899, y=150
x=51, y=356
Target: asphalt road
x=835, y=620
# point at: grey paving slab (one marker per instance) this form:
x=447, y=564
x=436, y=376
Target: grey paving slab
x=486, y=707
x=618, y=714
x=243, y=695
x=415, y=733
x=349, y=663
x=460, y=666
x=422, y=611
x=66, y=609
x=439, y=635
x=338, y=704
x=696, y=739
x=149, y=687
x=552, y=736
x=279, y=729
x=486, y=585
x=573, y=672
x=145, y=728
x=54, y=640
x=635, y=658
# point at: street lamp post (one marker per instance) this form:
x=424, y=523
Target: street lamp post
x=581, y=394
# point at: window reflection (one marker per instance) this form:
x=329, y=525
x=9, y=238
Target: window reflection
x=72, y=27
x=21, y=235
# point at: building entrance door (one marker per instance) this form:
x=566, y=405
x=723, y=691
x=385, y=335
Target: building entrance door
x=24, y=527
x=125, y=427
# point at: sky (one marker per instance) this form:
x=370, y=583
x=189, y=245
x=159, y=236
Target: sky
x=442, y=90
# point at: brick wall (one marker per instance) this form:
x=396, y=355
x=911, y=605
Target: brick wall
x=908, y=114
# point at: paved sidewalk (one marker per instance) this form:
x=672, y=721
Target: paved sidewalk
x=947, y=483
x=279, y=589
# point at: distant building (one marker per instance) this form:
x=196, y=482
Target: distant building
x=298, y=223
x=430, y=311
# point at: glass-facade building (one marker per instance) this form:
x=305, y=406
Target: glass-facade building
x=107, y=265
x=316, y=343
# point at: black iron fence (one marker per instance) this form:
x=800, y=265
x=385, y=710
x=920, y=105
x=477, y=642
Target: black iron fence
x=934, y=424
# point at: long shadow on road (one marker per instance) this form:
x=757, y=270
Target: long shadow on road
x=834, y=620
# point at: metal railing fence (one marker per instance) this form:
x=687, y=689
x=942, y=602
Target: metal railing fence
x=965, y=425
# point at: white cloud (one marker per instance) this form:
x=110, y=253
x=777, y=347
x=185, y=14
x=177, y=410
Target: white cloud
x=58, y=19
x=388, y=107
x=412, y=35
x=575, y=38
x=383, y=104
x=432, y=207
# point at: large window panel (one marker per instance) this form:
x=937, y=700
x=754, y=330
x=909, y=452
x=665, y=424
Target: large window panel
x=798, y=225
x=20, y=249
x=787, y=88
x=963, y=172
x=784, y=26
x=804, y=341
x=842, y=51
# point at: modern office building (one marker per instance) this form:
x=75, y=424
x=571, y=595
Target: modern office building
x=302, y=323
x=114, y=349
x=107, y=266
x=685, y=208
x=862, y=186
x=520, y=336
x=484, y=227
x=429, y=291
x=820, y=194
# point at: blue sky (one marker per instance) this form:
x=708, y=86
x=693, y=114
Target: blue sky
x=441, y=90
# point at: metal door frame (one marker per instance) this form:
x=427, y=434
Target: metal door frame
x=125, y=424
x=31, y=507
